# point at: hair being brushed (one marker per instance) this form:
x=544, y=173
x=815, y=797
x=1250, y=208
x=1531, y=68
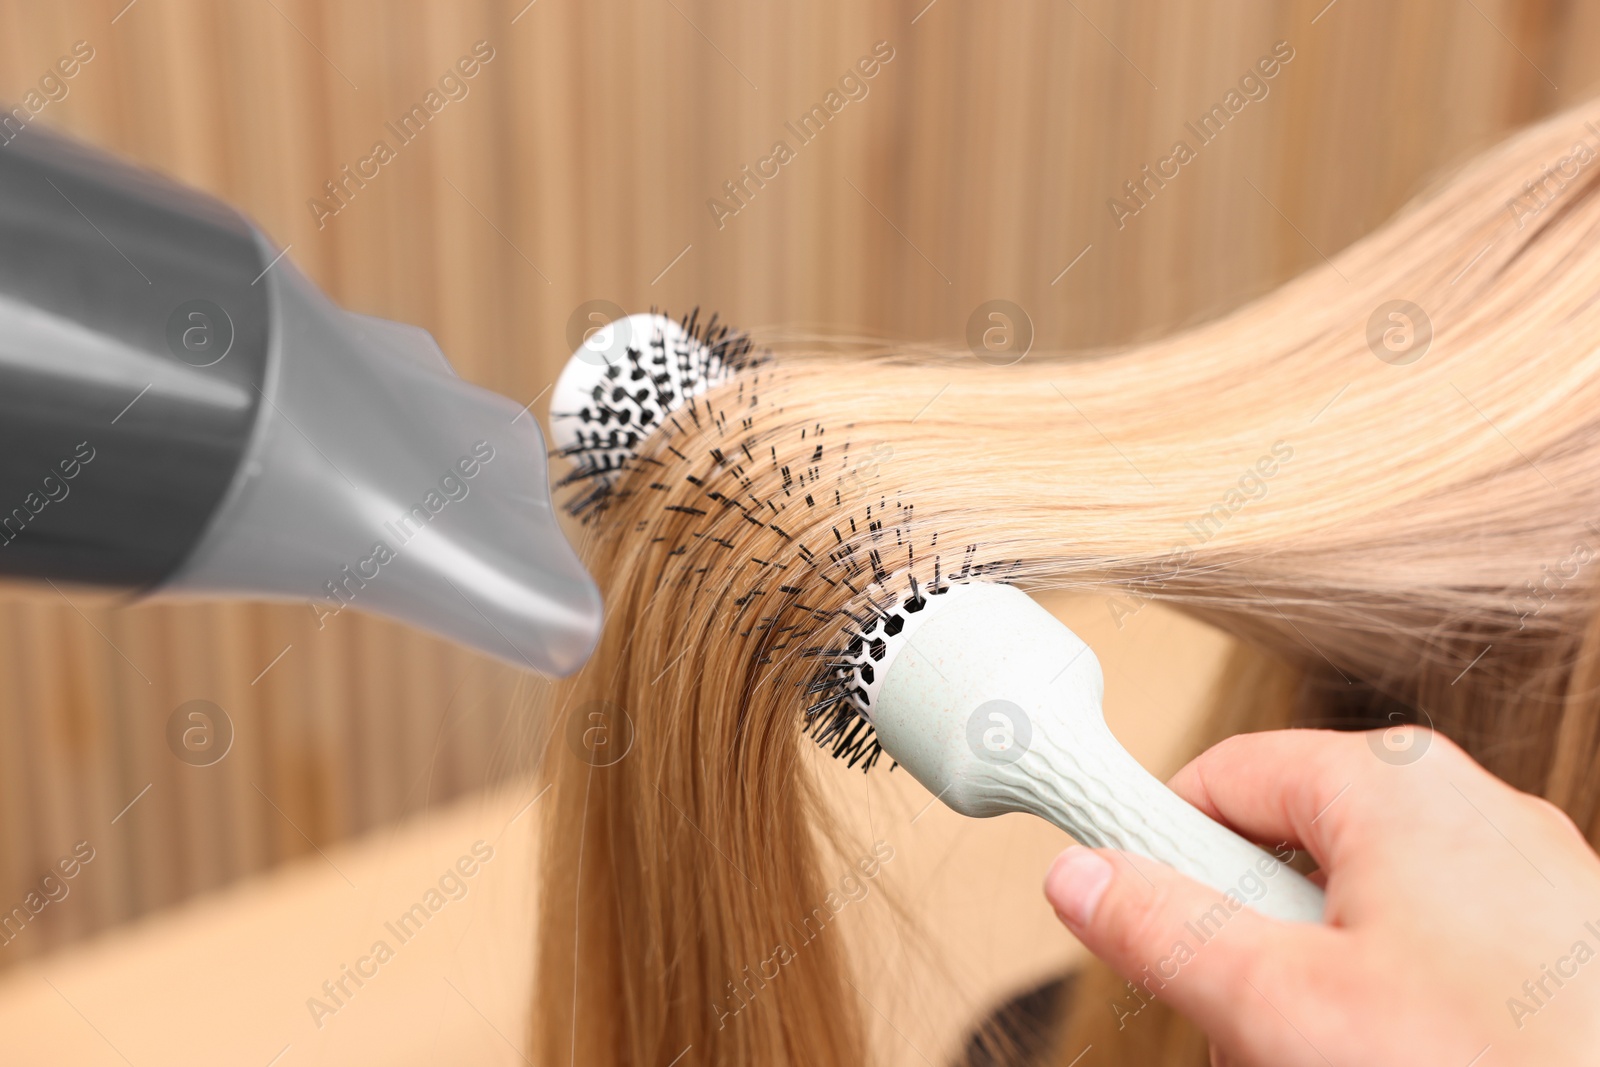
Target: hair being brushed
x=1395, y=535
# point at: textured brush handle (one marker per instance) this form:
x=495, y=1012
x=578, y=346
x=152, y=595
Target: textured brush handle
x=1095, y=791
x=994, y=706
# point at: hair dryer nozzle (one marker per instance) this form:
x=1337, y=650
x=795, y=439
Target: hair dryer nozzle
x=378, y=480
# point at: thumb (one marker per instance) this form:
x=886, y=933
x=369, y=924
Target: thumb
x=1209, y=956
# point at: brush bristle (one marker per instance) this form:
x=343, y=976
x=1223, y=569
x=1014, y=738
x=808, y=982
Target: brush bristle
x=602, y=413
x=614, y=394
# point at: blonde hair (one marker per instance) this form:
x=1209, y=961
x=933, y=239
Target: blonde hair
x=1382, y=477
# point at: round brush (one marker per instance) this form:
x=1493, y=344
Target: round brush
x=980, y=693
x=627, y=379
x=994, y=705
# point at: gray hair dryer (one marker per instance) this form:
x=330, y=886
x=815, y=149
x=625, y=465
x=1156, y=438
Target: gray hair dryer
x=182, y=413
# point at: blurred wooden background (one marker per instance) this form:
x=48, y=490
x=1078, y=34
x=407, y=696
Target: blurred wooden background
x=578, y=167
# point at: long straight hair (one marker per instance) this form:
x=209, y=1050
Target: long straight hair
x=1382, y=478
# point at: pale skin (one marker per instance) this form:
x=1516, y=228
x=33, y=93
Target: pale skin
x=1462, y=924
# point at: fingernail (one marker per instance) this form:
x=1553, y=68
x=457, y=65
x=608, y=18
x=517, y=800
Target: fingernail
x=1075, y=884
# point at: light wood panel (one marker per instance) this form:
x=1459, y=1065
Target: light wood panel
x=978, y=165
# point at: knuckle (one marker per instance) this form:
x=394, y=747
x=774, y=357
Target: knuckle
x=1239, y=970
x=1555, y=816
x=1272, y=968
x=1140, y=923
x=1444, y=745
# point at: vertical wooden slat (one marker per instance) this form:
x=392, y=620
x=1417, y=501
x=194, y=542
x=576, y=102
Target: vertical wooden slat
x=590, y=146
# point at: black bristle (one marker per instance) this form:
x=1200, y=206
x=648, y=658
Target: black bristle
x=635, y=398
x=774, y=602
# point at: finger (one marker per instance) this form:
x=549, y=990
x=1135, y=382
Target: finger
x=1180, y=941
x=1309, y=789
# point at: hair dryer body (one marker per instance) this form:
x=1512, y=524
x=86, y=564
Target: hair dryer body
x=183, y=413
